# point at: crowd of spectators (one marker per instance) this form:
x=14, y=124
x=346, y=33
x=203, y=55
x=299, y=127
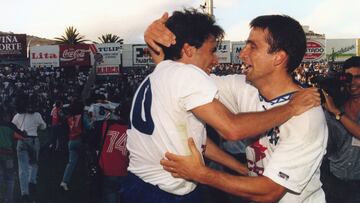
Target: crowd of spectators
x=63, y=84
x=227, y=69
x=51, y=84
x=308, y=70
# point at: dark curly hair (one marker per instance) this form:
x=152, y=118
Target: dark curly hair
x=192, y=27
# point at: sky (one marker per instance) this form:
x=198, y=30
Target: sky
x=129, y=18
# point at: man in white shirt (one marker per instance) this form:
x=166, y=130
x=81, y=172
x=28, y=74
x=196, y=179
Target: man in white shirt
x=286, y=158
x=175, y=102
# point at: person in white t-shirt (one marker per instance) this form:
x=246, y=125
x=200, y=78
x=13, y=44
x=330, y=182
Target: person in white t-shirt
x=285, y=160
x=174, y=102
x=29, y=120
x=101, y=109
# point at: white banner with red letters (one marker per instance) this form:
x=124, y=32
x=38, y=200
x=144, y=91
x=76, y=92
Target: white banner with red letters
x=44, y=56
x=315, y=49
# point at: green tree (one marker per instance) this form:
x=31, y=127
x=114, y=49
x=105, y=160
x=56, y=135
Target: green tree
x=110, y=38
x=72, y=36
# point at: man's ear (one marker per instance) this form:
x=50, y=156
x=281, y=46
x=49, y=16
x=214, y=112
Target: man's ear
x=281, y=57
x=188, y=50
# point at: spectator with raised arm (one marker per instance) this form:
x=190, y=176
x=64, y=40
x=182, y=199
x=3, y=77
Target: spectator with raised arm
x=343, y=182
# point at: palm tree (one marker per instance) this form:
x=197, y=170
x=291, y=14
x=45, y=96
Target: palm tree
x=72, y=36
x=110, y=38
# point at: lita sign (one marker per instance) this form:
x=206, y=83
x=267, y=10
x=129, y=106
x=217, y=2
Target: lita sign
x=75, y=55
x=44, y=56
x=13, y=46
x=315, y=50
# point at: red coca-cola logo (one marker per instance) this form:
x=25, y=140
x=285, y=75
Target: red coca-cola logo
x=314, y=50
x=74, y=54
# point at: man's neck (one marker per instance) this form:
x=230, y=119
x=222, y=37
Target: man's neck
x=277, y=86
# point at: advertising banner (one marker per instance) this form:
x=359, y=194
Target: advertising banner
x=223, y=52
x=44, y=56
x=141, y=55
x=236, y=48
x=340, y=49
x=12, y=46
x=111, y=53
x=315, y=50
x=107, y=70
x=75, y=55
x=358, y=47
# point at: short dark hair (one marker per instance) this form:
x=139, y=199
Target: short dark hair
x=58, y=103
x=21, y=103
x=352, y=62
x=285, y=33
x=192, y=27
x=76, y=107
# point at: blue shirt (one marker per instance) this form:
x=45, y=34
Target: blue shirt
x=343, y=155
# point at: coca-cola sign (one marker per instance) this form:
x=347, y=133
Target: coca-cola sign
x=72, y=55
x=12, y=46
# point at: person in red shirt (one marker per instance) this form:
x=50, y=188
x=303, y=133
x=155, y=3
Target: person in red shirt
x=55, y=113
x=75, y=125
x=113, y=159
x=57, y=132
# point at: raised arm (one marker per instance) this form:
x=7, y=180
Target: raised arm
x=230, y=126
x=348, y=123
x=157, y=33
x=243, y=125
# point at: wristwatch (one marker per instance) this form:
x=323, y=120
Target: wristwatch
x=339, y=115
